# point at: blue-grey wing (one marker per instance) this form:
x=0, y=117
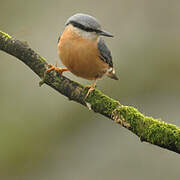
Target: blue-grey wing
x=104, y=52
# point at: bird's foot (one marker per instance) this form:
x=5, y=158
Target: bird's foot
x=52, y=68
x=56, y=69
x=90, y=89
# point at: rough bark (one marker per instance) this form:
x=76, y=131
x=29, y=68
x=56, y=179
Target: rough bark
x=146, y=128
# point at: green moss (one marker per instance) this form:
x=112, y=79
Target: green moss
x=164, y=134
x=151, y=130
x=5, y=35
x=42, y=59
x=102, y=103
x=148, y=129
x=133, y=117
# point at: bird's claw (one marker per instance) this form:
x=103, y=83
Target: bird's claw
x=51, y=67
x=56, y=69
x=90, y=89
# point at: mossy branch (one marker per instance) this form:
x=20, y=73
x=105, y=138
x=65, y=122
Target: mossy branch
x=148, y=129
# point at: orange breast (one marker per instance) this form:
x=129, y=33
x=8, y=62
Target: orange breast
x=81, y=56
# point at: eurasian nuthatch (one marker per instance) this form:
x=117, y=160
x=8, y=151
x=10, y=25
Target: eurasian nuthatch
x=83, y=51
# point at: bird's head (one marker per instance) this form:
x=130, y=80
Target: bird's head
x=86, y=26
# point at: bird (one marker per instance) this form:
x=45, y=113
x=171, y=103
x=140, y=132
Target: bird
x=83, y=51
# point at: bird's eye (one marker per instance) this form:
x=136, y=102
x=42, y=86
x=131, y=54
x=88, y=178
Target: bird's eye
x=81, y=26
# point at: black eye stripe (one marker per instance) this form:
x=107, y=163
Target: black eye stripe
x=80, y=26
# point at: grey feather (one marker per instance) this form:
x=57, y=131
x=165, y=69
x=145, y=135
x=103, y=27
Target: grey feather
x=85, y=20
x=105, y=52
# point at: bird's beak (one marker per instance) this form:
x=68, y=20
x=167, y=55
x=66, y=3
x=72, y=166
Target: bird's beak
x=104, y=33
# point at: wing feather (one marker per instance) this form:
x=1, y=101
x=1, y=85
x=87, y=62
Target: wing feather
x=104, y=52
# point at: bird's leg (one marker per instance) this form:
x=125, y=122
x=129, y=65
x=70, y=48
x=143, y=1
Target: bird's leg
x=91, y=88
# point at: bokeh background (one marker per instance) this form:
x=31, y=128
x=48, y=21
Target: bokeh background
x=44, y=136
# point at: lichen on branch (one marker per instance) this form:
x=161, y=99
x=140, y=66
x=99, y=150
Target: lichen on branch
x=146, y=128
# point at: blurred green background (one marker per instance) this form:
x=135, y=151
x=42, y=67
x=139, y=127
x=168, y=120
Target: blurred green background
x=44, y=136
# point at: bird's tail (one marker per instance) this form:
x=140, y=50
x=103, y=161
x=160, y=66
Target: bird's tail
x=112, y=74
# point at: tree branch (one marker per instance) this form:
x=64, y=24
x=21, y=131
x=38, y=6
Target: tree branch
x=148, y=129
